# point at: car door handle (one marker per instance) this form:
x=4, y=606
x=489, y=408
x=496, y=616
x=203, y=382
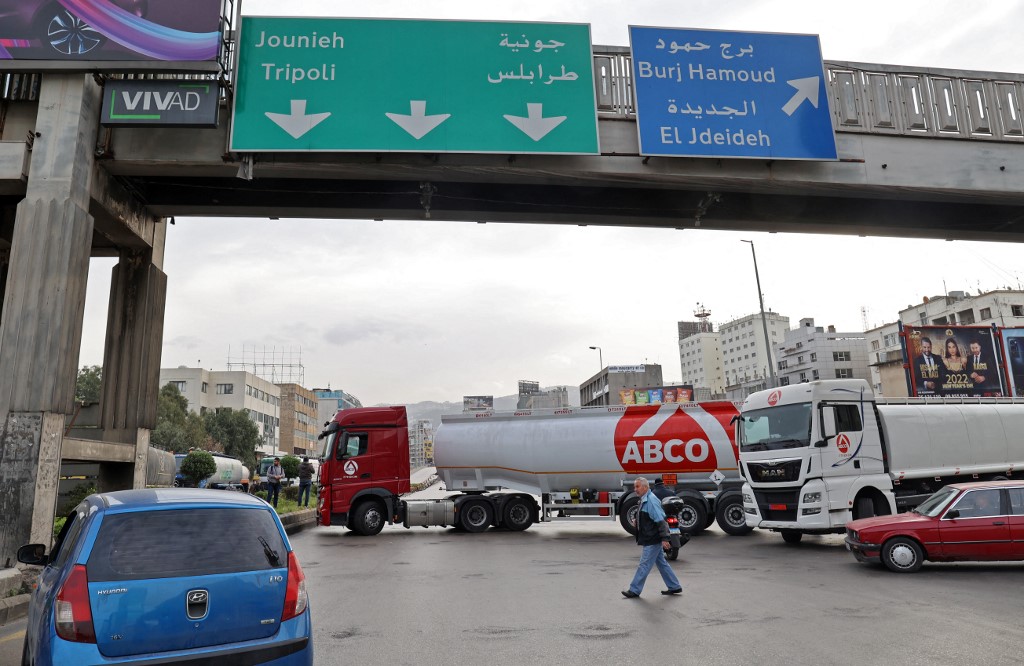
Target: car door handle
x=998, y=522
x=364, y=476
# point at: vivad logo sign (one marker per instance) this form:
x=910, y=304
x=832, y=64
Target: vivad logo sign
x=164, y=103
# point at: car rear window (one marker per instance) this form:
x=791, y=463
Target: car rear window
x=185, y=542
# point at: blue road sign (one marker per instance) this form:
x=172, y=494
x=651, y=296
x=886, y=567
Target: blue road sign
x=715, y=93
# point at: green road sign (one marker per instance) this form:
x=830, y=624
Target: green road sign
x=369, y=85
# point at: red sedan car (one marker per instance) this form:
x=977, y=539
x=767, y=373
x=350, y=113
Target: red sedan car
x=979, y=521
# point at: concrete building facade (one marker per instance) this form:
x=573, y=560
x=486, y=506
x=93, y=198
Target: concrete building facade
x=604, y=387
x=421, y=443
x=329, y=402
x=746, y=358
x=808, y=353
x=234, y=389
x=700, y=359
x=299, y=420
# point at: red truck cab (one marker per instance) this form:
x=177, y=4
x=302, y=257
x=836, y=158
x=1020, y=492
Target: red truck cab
x=364, y=468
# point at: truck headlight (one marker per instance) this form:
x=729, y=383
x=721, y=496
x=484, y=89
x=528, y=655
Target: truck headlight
x=811, y=498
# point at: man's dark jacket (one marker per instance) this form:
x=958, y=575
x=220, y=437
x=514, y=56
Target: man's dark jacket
x=649, y=533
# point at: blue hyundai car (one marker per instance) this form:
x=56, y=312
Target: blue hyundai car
x=169, y=575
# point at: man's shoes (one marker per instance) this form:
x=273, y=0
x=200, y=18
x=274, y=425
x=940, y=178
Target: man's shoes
x=630, y=594
x=678, y=590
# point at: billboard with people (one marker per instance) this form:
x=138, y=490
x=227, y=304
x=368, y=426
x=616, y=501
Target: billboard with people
x=954, y=361
x=656, y=395
x=1013, y=347
x=76, y=34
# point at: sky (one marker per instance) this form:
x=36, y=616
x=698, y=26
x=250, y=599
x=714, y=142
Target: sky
x=403, y=311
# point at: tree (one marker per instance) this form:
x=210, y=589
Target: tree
x=235, y=432
x=197, y=467
x=177, y=428
x=87, y=386
x=290, y=465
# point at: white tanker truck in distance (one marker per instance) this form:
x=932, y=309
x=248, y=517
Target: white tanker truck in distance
x=819, y=454
x=578, y=461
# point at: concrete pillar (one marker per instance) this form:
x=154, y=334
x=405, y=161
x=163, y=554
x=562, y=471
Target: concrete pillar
x=44, y=304
x=131, y=361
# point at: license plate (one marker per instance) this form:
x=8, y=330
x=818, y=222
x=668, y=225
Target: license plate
x=674, y=530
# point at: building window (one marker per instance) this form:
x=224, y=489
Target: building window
x=841, y=356
x=803, y=377
x=966, y=316
x=799, y=359
x=844, y=373
x=1017, y=310
x=985, y=313
x=875, y=345
x=225, y=389
x=814, y=356
x=206, y=386
x=784, y=381
x=890, y=340
x=178, y=385
x=814, y=374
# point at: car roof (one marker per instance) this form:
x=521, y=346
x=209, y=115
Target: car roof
x=177, y=497
x=974, y=485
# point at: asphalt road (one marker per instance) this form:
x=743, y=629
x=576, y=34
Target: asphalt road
x=552, y=595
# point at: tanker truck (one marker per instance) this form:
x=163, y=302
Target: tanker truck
x=575, y=461
x=229, y=474
x=819, y=454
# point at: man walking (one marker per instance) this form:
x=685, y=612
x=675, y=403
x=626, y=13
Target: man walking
x=305, y=479
x=652, y=534
x=274, y=475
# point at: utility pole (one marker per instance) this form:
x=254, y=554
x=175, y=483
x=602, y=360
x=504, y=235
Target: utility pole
x=764, y=319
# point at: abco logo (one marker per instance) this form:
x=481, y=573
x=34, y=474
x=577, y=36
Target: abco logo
x=773, y=398
x=351, y=468
x=654, y=440
x=843, y=444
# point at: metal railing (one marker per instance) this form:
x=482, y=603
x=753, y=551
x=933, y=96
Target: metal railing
x=865, y=98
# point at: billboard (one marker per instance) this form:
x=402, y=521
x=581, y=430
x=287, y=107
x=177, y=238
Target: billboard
x=1013, y=347
x=656, y=395
x=109, y=34
x=160, y=102
x=478, y=403
x=953, y=361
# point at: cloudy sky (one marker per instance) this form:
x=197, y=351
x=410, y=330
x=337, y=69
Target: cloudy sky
x=398, y=312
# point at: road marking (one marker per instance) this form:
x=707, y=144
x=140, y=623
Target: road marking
x=19, y=634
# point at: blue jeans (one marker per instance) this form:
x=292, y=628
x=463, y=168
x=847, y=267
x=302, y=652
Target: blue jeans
x=653, y=555
x=304, y=489
x=273, y=490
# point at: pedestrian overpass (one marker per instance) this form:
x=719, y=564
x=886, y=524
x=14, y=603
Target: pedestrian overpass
x=922, y=152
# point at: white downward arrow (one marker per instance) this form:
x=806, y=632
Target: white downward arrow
x=297, y=122
x=417, y=123
x=535, y=125
x=805, y=89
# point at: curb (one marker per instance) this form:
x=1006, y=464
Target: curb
x=14, y=608
x=296, y=521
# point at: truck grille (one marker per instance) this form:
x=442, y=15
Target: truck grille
x=780, y=472
x=778, y=504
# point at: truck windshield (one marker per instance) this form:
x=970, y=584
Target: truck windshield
x=786, y=427
x=327, y=437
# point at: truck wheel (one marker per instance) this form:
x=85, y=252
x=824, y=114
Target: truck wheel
x=902, y=555
x=792, y=536
x=729, y=513
x=693, y=518
x=517, y=515
x=476, y=516
x=368, y=518
x=628, y=513
x=864, y=508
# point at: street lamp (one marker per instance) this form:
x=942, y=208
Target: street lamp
x=764, y=319
x=600, y=361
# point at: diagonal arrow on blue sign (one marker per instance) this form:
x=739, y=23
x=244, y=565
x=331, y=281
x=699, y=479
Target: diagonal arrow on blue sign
x=714, y=93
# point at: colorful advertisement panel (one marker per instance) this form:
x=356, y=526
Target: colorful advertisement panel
x=478, y=403
x=76, y=34
x=953, y=361
x=1013, y=346
x=656, y=395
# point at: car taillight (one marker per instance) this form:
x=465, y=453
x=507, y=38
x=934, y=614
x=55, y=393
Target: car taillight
x=295, y=599
x=72, y=613
x=672, y=521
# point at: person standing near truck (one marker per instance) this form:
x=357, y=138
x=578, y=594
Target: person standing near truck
x=274, y=475
x=652, y=534
x=305, y=480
